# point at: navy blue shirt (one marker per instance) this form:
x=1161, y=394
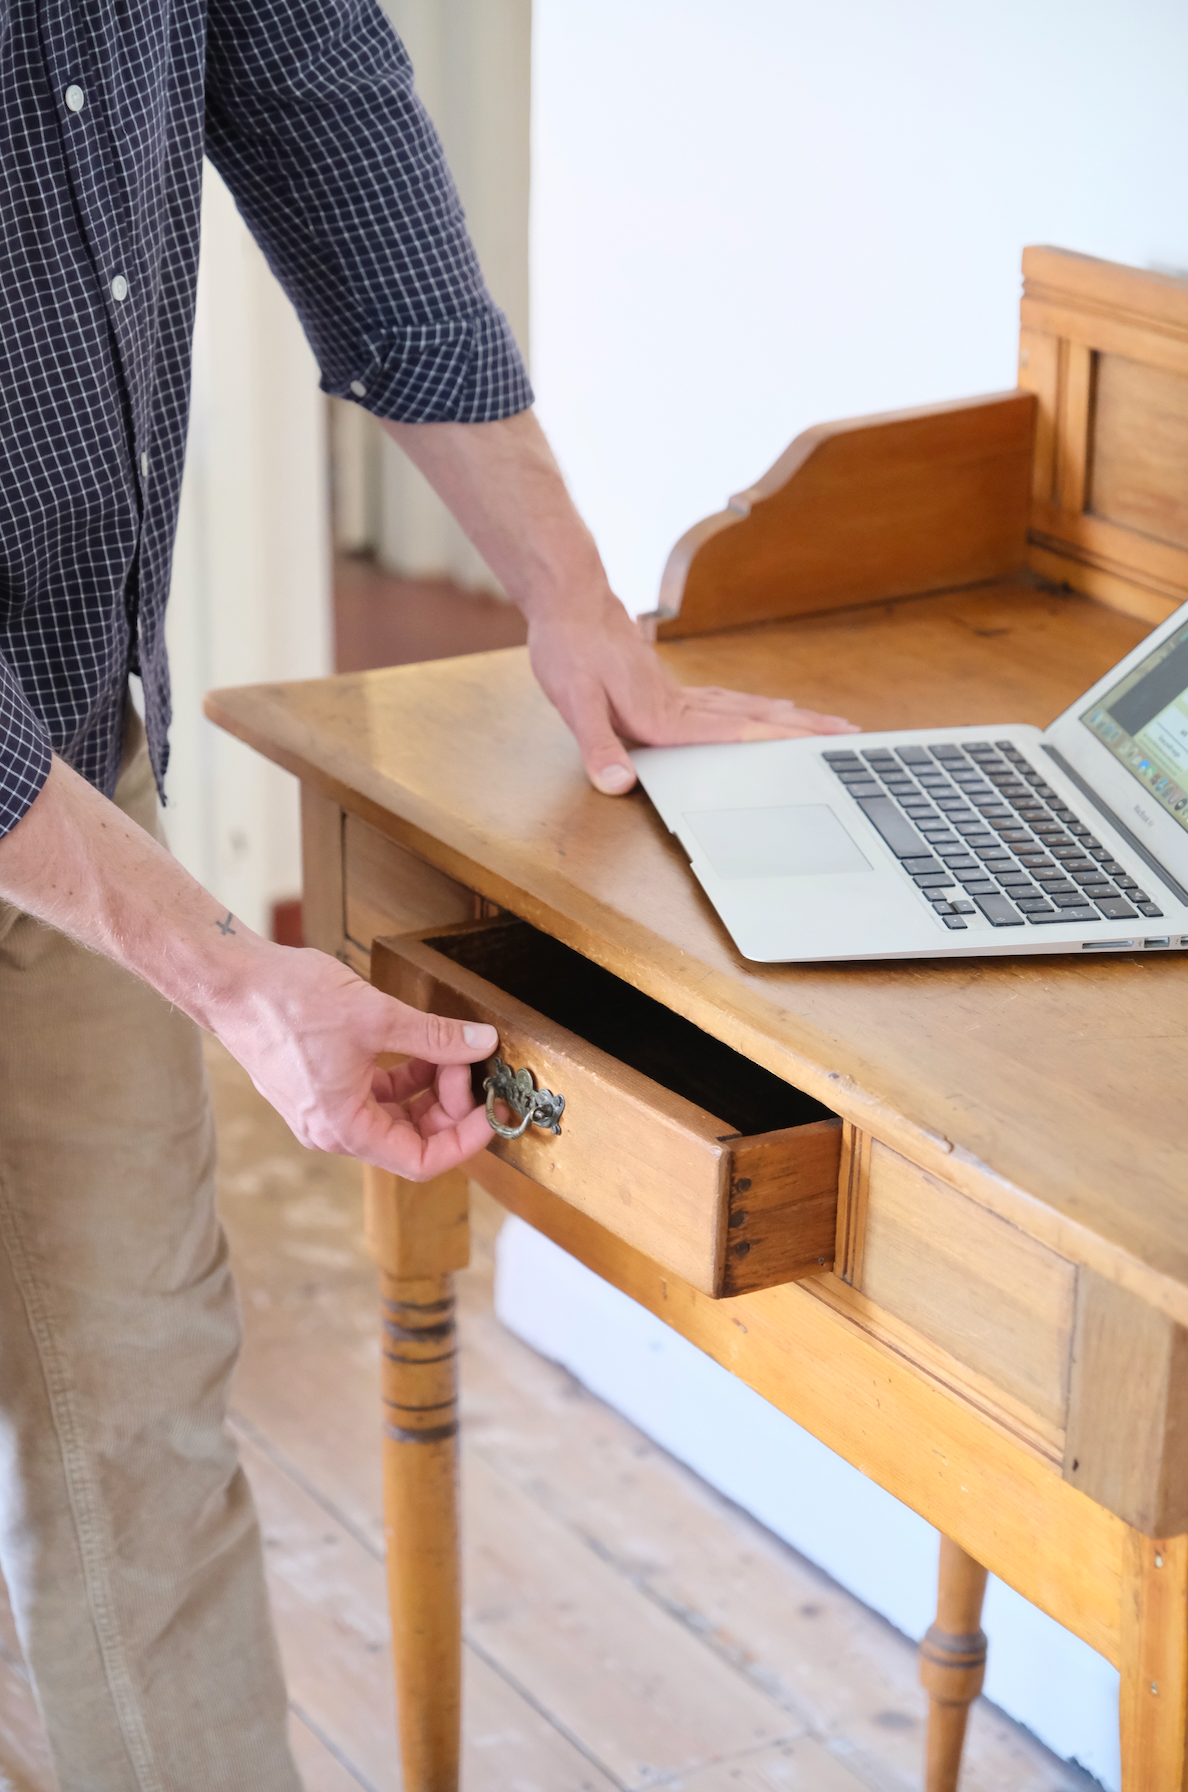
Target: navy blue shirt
x=307, y=109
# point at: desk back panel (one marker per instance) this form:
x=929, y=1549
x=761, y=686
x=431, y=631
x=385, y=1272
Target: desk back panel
x=1104, y=348
x=1081, y=476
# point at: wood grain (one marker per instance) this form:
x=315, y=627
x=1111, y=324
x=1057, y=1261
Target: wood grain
x=952, y=1663
x=1105, y=350
x=654, y=1166
x=387, y=889
x=970, y=1281
x=782, y=1207
x=323, y=908
x=853, y=1200
x=922, y=500
x=1139, y=473
x=1127, y=1438
x=1044, y=1136
x=1154, y=1696
x=986, y=1491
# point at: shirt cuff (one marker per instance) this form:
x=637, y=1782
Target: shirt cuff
x=456, y=370
x=25, y=751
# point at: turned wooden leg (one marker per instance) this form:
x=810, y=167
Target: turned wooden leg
x=952, y=1662
x=418, y=1234
x=1153, y=1707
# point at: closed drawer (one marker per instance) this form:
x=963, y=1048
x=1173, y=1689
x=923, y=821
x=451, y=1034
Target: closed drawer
x=704, y=1161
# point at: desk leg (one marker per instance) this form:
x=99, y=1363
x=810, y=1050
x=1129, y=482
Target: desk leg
x=952, y=1662
x=418, y=1234
x=1154, y=1699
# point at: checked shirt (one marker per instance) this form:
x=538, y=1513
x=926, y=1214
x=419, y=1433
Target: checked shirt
x=307, y=109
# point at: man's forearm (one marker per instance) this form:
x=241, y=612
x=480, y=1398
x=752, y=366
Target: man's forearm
x=502, y=483
x=306, y=1028
x=77, y=862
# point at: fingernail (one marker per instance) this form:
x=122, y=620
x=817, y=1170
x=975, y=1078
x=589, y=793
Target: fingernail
x=614, y=778
x=482, y=1039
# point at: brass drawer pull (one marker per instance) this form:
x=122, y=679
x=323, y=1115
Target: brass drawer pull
x=536, y=1107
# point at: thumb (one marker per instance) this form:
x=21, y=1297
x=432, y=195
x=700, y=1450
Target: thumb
x=605, y=757
x=437, y=1039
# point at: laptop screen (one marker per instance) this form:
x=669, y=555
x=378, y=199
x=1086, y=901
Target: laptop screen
x=1143, y=721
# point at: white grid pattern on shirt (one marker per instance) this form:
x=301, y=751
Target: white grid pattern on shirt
x=308, y=110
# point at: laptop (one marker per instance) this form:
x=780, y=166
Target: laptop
x=930, y=842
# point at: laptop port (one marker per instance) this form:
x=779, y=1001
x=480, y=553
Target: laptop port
x=1165, y=941
x=1107, y=945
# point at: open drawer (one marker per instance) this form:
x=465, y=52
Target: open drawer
x=706, y=1162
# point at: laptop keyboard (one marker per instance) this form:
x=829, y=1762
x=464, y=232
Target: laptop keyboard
x=976, y=829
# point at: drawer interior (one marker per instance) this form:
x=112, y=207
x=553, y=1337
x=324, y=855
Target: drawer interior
x=630, y=1026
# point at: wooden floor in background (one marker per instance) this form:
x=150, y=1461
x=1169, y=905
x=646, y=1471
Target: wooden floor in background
x=626, y=1627
x=383, y=620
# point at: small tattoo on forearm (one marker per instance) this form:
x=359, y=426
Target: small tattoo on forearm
x=225, y=927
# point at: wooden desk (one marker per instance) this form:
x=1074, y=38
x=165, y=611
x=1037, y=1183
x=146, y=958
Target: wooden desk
x=992, y=1320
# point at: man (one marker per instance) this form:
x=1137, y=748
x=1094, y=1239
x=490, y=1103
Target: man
x=127, y=1535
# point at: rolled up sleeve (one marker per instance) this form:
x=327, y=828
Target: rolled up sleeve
x=314, y=124
x=25, y=751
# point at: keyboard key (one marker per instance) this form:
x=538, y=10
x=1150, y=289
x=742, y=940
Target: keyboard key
x=1148, y=908
x=1034, y=905
x=978, y=886
x=961, y=907
x=1084, y=877
x=1037, y=861
x=955, y=924
x=942, y=905
x=1114, y=869
x=881, y=756
x=933, y=880
x=1072, y=900
x=1065, y=914
x=947, y=751
x=894, y=826
x=1115, y=908
x=848, y=757
x=927, y=863
x=998, y=911
x=914, y=755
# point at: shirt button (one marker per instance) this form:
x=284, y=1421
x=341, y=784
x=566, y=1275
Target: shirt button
x=119, y=288
x=358, y=388
x=144, y=465
x=76, y=99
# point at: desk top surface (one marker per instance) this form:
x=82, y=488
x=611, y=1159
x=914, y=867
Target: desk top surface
x=1051, y=1089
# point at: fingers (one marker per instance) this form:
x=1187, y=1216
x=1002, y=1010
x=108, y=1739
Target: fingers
x=394, y=1144
x=433, y=1037
x=605, y=757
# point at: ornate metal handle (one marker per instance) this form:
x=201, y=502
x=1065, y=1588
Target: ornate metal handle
x=536, y=1107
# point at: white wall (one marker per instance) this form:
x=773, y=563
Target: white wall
x=250, y=598
x=748, y=217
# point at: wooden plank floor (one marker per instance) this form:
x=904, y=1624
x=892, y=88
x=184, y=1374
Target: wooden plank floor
x=626, y=1627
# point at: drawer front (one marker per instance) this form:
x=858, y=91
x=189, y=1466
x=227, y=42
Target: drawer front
x=994, y=1299
x=661, y=1172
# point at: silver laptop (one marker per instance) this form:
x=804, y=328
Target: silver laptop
x=935, y=841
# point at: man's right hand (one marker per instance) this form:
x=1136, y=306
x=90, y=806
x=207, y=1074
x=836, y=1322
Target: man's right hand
x=308, y=1031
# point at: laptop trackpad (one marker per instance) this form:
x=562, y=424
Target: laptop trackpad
x=799, y=840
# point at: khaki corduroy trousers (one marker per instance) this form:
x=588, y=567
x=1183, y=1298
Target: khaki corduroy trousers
x=128, y=1537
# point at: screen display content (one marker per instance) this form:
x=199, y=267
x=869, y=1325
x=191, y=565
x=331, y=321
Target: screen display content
x=1144, y=723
